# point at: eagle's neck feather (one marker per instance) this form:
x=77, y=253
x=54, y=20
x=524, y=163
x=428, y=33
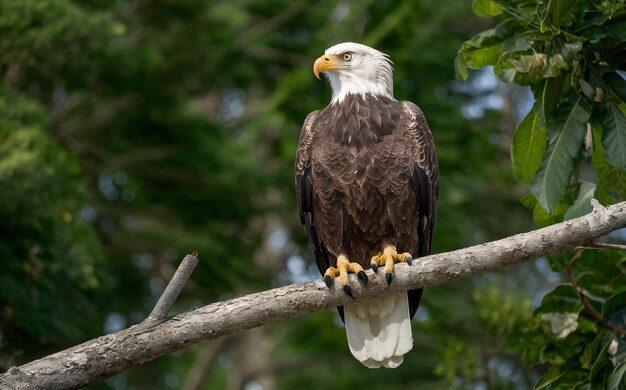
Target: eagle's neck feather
x=345, y=83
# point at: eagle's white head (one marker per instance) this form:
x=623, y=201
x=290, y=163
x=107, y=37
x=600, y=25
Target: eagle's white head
x=353, y=68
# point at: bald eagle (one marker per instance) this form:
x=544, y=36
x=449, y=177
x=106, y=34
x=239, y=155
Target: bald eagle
x=367, y=182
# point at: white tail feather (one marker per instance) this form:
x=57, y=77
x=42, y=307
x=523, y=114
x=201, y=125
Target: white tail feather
x=379, y=330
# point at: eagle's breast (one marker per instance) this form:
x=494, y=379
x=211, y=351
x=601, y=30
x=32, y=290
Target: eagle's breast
x=361, y=172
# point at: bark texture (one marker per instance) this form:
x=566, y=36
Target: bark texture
x=105, y=356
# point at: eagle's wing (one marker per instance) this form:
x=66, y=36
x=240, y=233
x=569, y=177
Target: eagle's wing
x=425, y=184
x=425, y=176
x=304, y=190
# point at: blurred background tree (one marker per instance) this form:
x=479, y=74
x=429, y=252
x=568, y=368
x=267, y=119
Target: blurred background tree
x=134, y=132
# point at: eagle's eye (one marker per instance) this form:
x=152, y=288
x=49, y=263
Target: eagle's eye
x=347, y=56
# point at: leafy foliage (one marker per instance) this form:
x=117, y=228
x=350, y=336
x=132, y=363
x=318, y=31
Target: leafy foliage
x=571, y=54
x=570, y=331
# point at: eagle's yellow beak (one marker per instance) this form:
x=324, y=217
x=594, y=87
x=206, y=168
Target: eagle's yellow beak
x=324, y=63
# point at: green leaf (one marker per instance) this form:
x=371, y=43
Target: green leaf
x=548, y=95
x=565, y=54
x=513, y=48
x=614, y=308
x=556, y=215
x=479, y=52
x=460, y=70
x=617, y=84
x=602, y=358
x=550, y=377
x=614, y=136
x=552, y=354
x=587, y=88
x=486, y=8
x=582, y=205
x=484, y=48
x=518, y=43
x=617, y=380
x=610, y=179
x=590, y=351
x=533, y=65
x=562, y=299
x=566, y=137
x=527, y=147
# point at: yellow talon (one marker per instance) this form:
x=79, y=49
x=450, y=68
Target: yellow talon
x=344, y=267
x=388, y=258
x=343, y=263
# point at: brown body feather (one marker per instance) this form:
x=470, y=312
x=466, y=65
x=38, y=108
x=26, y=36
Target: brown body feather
x=367, y=177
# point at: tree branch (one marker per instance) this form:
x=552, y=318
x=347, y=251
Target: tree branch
x=604, y=245
x=105, y=356
x=174, y=287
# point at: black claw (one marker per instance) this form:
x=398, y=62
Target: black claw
x=409, y=260
x=361, y=275
x=374, y=267
x=348, y=291
x=328, y=280
x=389, y=278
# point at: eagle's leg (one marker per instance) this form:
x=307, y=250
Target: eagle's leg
x=388, y=258
x=344, y=267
